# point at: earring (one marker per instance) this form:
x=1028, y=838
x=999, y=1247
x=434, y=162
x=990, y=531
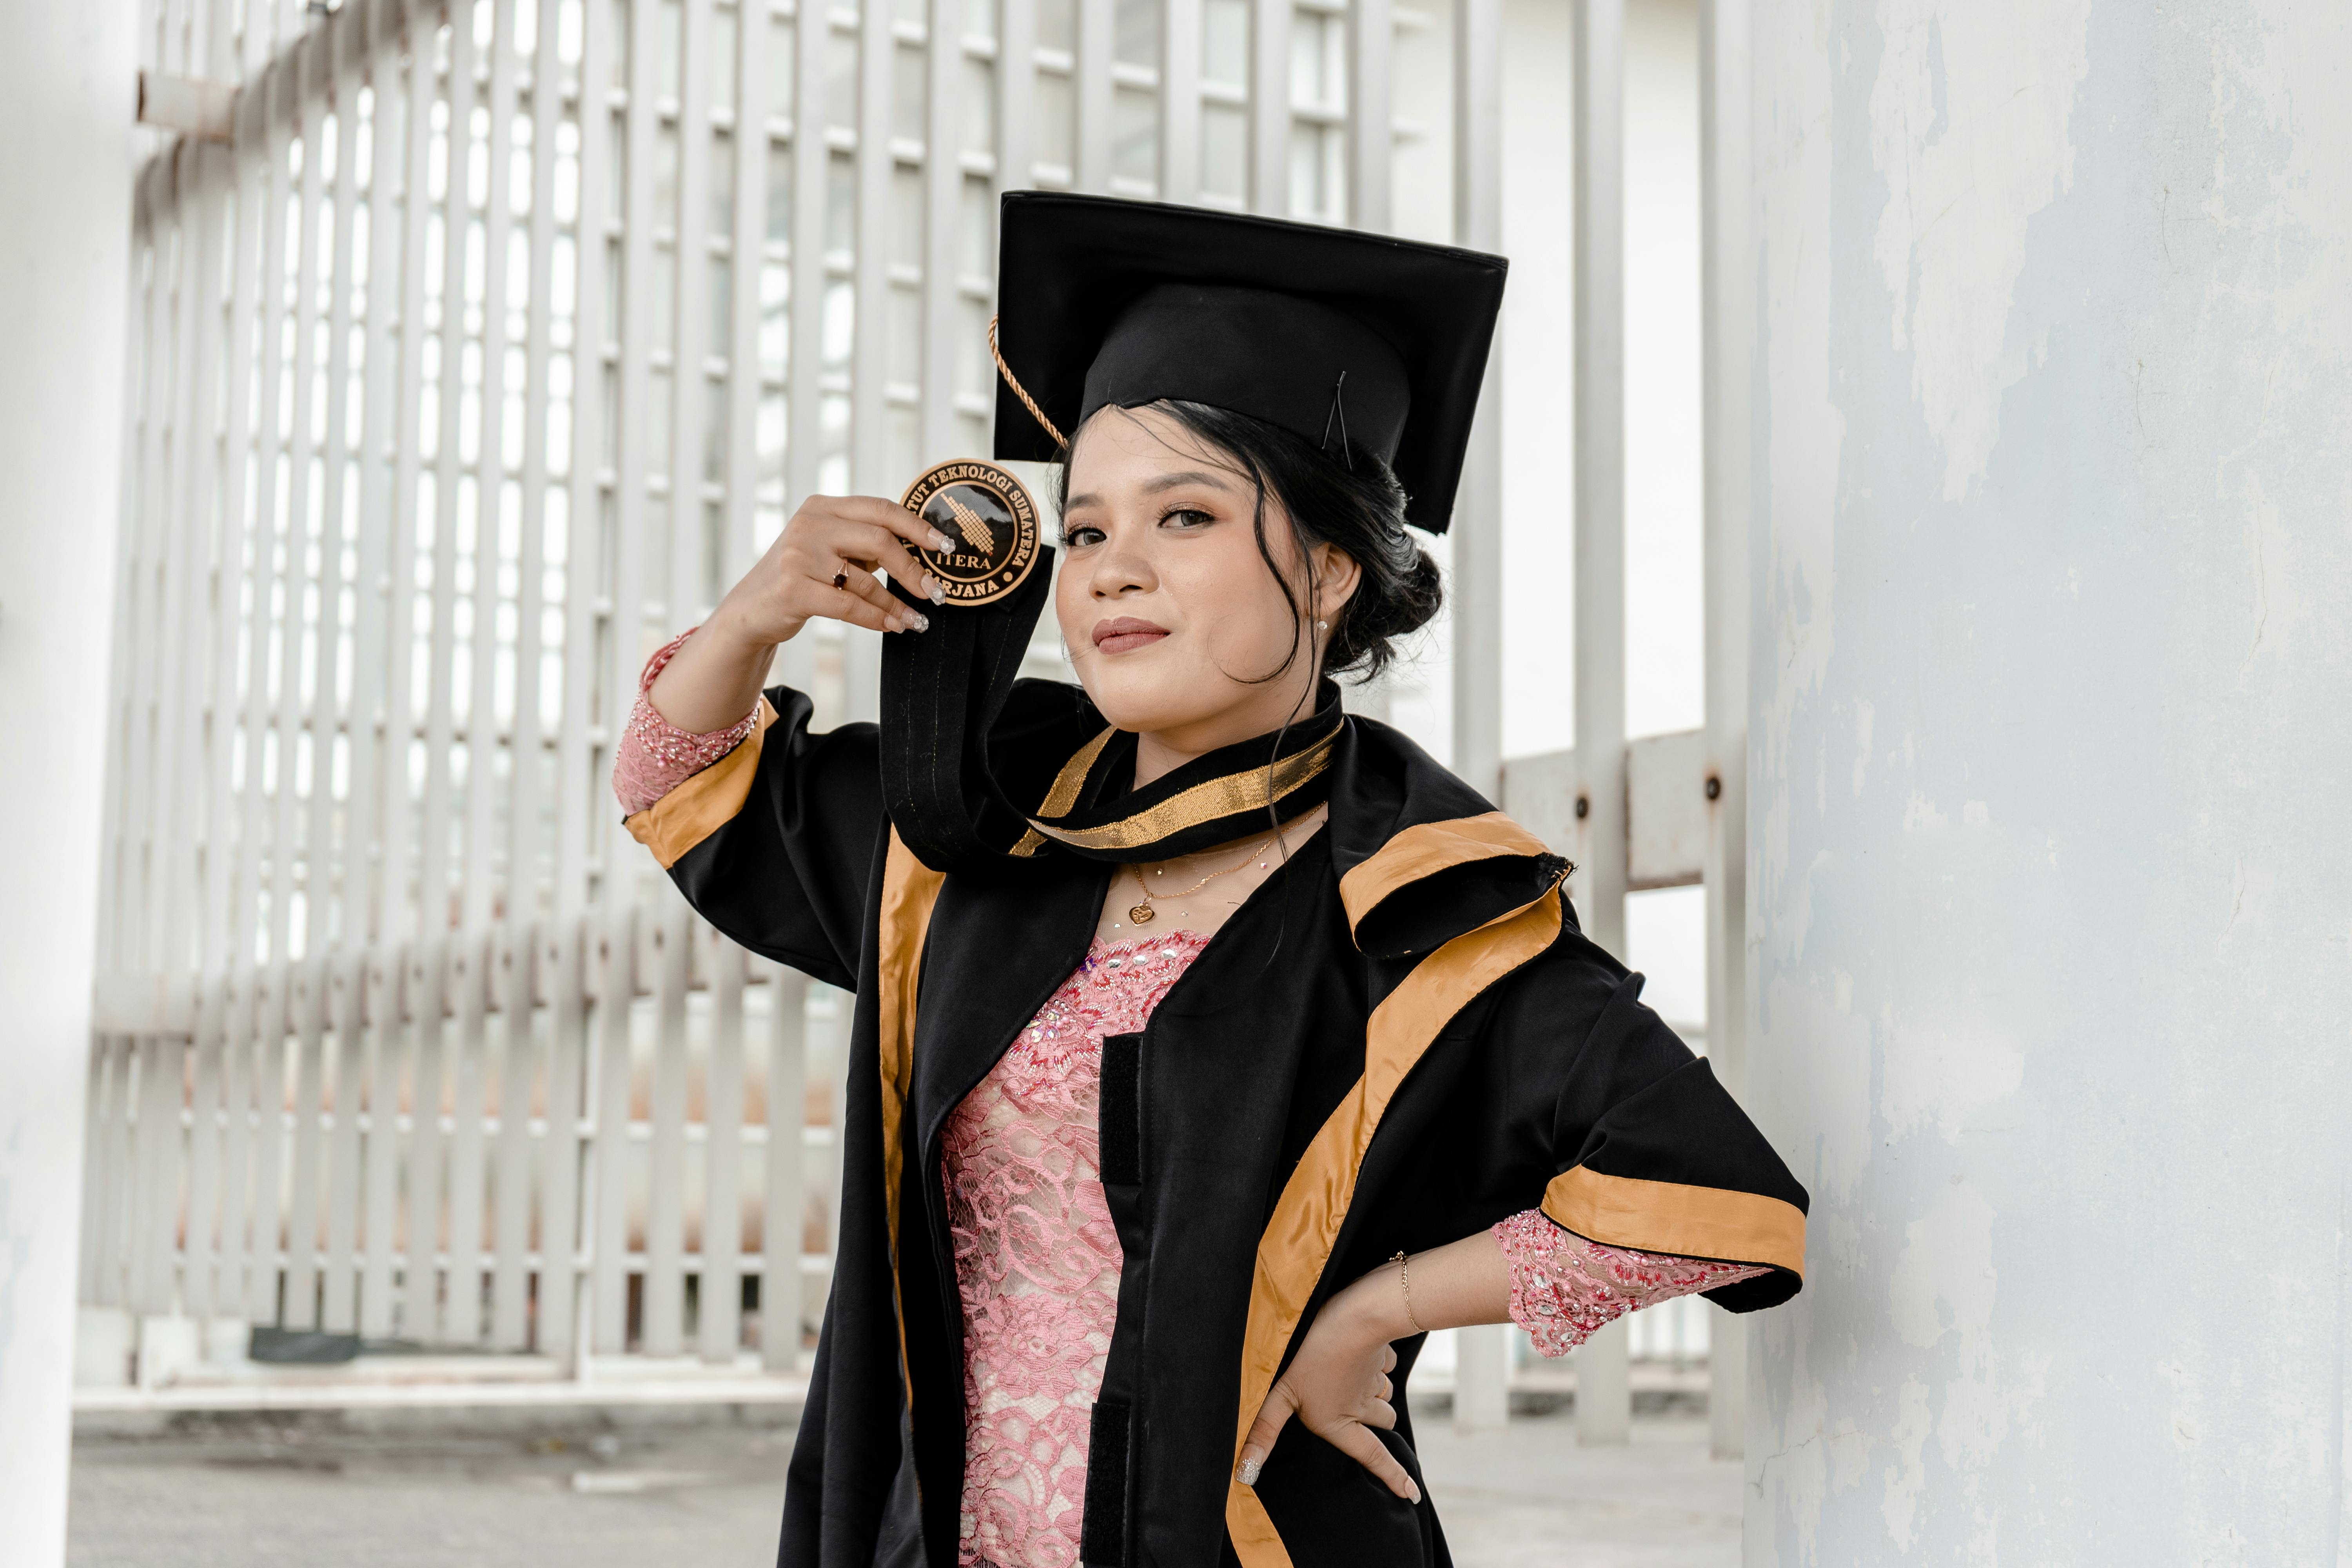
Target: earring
x=1322, y=626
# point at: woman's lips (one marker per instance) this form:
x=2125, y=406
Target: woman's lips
x=1125, y=632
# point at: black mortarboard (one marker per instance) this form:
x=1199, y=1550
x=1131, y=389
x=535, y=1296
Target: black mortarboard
x=1310, y=329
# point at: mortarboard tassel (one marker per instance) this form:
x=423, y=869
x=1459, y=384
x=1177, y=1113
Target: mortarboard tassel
x=1339, y=412
x=1022, y=391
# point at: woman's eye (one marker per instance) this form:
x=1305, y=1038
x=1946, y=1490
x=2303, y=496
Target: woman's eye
x=1189, y=517
x=1079, y=538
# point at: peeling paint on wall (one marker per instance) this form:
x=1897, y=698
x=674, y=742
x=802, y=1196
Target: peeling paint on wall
x=1968, y=122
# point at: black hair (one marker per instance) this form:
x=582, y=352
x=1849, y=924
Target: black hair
x=1346, y=499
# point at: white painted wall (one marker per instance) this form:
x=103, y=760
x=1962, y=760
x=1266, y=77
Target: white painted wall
x=68, y=98
x=2051, y=873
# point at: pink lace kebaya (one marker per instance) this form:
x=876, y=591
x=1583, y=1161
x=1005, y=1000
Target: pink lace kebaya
x=1037, y=1258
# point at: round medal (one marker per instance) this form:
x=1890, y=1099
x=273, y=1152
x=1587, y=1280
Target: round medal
x=988, y=515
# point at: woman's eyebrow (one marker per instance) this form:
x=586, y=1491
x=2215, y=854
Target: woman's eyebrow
x=1154, y=486
x=1186, y=477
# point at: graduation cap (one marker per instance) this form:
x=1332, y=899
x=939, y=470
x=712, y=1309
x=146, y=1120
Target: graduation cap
x=1334, y=335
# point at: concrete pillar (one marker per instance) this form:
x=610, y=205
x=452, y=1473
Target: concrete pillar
x=68, y=98
x=1604, y=1385
x=2051, y=866
x=1481, y=1378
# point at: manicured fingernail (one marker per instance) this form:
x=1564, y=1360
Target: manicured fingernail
x=1252, y=1461
x=931, y=586
x=942, y=544
x=1415, y=1490
x=921, y=622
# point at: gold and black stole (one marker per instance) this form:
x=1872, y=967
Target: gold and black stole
x=976, y=769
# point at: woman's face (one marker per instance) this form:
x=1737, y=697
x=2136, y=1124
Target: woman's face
x=1170, y=617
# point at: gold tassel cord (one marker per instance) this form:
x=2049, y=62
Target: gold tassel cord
x=1022, y=391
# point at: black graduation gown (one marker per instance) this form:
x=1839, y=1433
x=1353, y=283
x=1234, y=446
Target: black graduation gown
x=1399, y=1039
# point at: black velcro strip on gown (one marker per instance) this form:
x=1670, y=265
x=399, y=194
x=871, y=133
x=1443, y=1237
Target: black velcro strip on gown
x=1102, y=1534
x=1119, y=1112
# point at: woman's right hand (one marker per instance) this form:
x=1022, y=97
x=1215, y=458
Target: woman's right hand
x=823, y=564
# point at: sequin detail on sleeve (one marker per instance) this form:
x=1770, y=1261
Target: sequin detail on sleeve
x=1564, y=1288
x=656, y=756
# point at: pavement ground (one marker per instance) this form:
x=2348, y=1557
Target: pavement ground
x=248, y=1492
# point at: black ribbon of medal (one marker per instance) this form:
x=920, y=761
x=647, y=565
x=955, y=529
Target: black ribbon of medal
x=942, y=690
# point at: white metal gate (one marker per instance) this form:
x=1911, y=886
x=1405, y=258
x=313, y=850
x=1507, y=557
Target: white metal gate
x=478, y=360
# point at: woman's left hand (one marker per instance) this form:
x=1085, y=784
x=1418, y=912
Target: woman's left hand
x=1338, y=1385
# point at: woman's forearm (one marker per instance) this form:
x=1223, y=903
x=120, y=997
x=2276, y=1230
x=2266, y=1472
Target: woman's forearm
x=1557, y=1285
x=714, y=679
x=1464, y=1282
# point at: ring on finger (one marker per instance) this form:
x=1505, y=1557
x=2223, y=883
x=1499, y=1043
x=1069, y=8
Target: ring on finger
x=841, y=578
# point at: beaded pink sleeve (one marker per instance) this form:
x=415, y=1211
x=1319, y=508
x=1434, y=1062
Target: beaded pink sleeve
x=1564, y=1288
x=655, y=756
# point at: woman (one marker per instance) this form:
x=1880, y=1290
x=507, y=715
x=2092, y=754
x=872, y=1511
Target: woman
x=1210, y=1044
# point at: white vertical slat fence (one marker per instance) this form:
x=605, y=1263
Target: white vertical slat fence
x=497, y=338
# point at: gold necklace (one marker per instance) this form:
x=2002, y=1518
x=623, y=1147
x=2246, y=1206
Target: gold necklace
x=1143, y=914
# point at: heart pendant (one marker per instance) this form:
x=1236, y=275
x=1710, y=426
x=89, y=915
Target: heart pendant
x=1140, y=914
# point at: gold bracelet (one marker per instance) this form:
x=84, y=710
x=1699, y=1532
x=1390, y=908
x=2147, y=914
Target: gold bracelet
x=1404, y=1283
